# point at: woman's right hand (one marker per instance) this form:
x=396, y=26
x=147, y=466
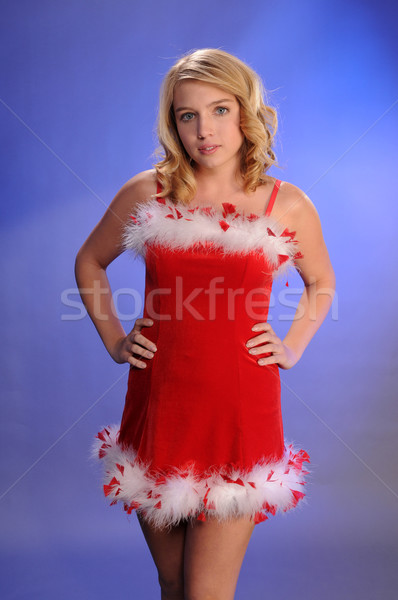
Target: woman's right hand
x=134, y=343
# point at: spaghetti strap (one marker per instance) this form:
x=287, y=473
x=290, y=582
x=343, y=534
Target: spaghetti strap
x=159, y=188
x=273, y=197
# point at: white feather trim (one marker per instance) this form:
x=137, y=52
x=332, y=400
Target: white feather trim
x=178, y=227
x=165, y=500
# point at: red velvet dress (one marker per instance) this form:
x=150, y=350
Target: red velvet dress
x=202, y=430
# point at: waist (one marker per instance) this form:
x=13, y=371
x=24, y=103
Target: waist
x=211, y=301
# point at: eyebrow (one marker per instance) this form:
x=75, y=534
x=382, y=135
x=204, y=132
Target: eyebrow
x=211, y=104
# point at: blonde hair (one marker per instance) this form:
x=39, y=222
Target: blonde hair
x=258, y=121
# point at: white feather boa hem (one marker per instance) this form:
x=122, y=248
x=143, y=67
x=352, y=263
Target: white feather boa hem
x=178, y=227
x=166, y=499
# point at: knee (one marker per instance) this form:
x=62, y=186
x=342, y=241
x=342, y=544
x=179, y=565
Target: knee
x=172, y=587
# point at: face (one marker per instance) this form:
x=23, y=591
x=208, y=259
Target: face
x=208, y=123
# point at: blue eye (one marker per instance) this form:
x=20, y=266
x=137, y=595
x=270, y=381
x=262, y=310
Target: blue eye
x=187, y=117
x=223, y=108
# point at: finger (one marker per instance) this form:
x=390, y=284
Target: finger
x=270, y=347
x=144, y=322
x=136, y=363
x=269, y=360
x=138, y=338
x=263, y=338
x=262, y=327
x=136, y=349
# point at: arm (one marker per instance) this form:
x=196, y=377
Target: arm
x=298, y=212
x=101, y=248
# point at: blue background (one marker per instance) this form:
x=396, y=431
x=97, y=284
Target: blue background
x=78, y=102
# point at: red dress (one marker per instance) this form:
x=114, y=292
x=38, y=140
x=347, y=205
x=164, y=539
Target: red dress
x=202, y=431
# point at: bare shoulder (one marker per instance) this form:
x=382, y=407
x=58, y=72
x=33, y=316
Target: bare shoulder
x=138, y=189
x=293, y=206
x=104, y=243
x=296, y=211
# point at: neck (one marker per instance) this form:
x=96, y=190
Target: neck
x=211, y=182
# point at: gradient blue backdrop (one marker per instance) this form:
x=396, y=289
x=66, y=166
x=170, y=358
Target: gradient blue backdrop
x=78, y=102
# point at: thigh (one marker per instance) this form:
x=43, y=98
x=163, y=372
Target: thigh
x=214, y=552
x=167, y=549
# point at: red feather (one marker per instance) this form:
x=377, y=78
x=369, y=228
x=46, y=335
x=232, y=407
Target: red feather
x=287, y=233
x=161, y=480
x=224, y=225
x=259, y=517
x=109, y=488
x=208, y=210
x=228, y=208
x=282, y=258
x=297, y=495
x=101, y=435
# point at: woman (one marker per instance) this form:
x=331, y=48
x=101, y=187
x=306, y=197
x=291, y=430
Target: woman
x=200, y=453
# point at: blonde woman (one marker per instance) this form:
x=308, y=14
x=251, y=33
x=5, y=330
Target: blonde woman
x=199, y=454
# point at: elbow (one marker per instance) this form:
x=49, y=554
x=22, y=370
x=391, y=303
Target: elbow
x=332, y=279
x=328, y=280
x=324, y=283
x=85, y=260
x=85, y=264
x=80, y=255
x=79, y=261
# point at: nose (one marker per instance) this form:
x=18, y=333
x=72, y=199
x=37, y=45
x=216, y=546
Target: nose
x=204, y=127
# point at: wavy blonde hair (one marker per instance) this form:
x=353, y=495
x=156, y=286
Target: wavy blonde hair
x=258, y=121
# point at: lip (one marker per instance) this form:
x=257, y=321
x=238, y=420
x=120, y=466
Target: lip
x=208, y=149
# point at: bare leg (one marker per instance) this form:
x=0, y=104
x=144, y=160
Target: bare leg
x=167, y=550
x=214, y=554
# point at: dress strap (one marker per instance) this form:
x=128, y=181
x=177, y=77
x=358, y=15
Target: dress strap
x=159, y=188
x=273, y=197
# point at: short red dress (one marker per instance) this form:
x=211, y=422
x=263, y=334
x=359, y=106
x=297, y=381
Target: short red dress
x=201, y=432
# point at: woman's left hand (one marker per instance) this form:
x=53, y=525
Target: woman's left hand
x=281, y=354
